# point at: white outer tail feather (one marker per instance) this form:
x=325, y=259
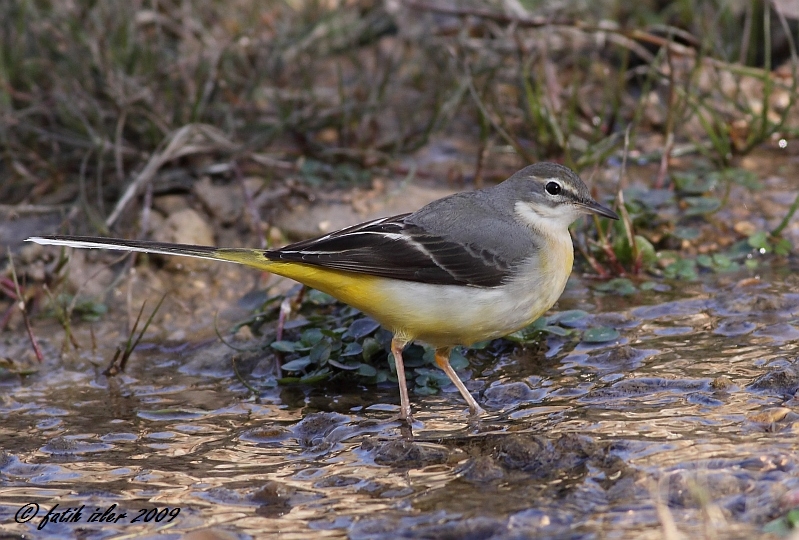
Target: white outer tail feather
x=92, y=244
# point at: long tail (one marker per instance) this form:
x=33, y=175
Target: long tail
x=251, y=257
x=358, y=290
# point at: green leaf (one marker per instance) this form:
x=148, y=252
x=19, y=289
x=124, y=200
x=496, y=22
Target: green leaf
x=361, y=328
x=340, y=365
x=319, y=298
x=721, y=261
x=311, y=337
x=746, y=178
x=297, y=365
x=91, y=311
x=366, y=370
x=644, y=249
x=686, y=233
x=316, y=377
x=600, y=334
x=332, y=334
x=684, y=269
x=297, y=322
x=567, y=318
x=740, y=250
x=765, y=243
x=784, y=525
x=694, y=184
x=525, y=335
x=783, y=247
x=371, y=347
x=698, y=206
x=649, y=198
x=433, y=374
x=457, y=360
x=705, y=261
x=717, y=262
x=759, y=240
x=352, y=349
x=618, y=286
x=320, y=353
x=530, y=332
x=416, y=355
x=284, y=346
x=556, y=330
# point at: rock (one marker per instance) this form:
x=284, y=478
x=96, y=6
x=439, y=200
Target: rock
x=783, y=381
x=317, y=430
x=745, y=228
x=86, y=275
x=480, y=470
x=769, y=416
x=224, y=202
x=169, y=204
x=502, y=395
x=406, y=454
x=185, y=227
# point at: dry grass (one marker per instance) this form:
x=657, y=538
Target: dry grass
x=101, y=100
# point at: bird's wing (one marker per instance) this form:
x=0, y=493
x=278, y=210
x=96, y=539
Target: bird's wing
x=395, y=248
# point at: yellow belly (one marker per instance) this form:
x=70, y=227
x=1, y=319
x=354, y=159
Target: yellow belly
x=361, y=291
x=441, y=315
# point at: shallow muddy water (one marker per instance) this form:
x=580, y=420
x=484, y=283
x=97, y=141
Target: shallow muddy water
x=687, y=421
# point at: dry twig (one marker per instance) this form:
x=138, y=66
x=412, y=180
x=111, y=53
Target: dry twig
x=21, y=305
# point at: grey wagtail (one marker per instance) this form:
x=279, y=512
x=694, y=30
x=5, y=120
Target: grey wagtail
x=466, y=268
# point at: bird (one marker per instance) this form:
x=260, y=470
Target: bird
x=466, y=268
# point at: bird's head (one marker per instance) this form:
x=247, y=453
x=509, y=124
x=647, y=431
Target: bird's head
x=548, y=195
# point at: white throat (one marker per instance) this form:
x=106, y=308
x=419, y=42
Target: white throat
x=551, y=221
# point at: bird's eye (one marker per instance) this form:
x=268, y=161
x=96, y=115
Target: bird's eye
x=553, y=188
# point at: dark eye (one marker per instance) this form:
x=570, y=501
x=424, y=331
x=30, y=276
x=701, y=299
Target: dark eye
x=553, y=188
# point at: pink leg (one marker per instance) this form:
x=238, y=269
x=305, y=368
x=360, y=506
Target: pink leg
x=442, y=360
x=405, y=404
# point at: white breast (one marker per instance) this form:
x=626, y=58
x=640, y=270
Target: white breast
x=447, y=315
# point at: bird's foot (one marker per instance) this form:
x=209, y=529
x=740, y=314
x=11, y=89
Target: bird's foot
x=476, y=412
x=405, y=415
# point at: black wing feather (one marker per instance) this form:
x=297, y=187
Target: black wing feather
x=393, y=248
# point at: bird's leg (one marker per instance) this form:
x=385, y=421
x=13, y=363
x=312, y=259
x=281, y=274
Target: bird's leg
x=442, y=360
x=397, y=345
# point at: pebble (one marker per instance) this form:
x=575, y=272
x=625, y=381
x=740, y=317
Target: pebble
x=185, y=227
x=769, y=416
x=224, y=202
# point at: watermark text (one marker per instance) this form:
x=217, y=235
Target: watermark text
x=32, y=512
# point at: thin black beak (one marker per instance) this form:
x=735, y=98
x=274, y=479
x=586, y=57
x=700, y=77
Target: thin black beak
x=596, y=208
